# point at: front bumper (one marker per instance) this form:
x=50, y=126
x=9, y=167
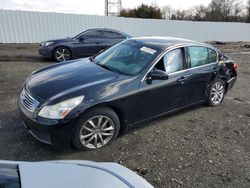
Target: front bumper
x=46, y=52
x=52, y=132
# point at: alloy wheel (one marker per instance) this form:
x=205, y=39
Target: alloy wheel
x=62, y=54
x=217, y=93
x=97, y=132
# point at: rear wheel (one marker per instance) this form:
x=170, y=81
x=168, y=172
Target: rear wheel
x=96, y=129
x=62, y=54
x=216, y=93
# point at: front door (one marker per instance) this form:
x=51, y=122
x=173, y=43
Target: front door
x=88, y=43
x=160, y=96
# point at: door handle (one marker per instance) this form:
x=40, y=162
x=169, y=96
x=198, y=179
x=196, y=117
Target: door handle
x=182, y=79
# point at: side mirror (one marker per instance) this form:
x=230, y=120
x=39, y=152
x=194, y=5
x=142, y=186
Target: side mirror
x=81, y=39
x=157, y=74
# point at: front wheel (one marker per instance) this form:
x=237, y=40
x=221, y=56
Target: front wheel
x=62, y=54
x=96, y=129
x=216, y=92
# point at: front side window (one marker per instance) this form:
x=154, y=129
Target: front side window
x=173, y=61
x=92, y=34
x=202, y=56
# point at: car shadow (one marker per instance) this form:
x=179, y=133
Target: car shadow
x=164, y=117
x=16, y=143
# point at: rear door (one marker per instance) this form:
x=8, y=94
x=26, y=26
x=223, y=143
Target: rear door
x=88, y=44
x=203, y=67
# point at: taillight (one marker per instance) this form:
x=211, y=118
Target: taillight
x=235, y=66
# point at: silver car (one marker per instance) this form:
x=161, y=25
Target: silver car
x=66, y=174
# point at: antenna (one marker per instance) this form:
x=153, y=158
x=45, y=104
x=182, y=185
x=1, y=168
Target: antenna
x=113, y=7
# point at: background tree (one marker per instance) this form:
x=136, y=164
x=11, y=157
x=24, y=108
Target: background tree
x=183, y=15
x=248, y=12
x=143, y=11
x=216, y=11
x=200, y=13
x=167, y=12
x=224, y=10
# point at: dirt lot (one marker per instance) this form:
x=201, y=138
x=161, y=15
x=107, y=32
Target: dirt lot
x=199, y=147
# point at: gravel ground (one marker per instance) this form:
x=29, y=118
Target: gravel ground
x=198, y=147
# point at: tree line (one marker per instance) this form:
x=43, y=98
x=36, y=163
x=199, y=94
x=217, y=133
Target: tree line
x=215, y=11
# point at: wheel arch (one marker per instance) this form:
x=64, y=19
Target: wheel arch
x=218, y=76
x=224, y=79
x=116, y=109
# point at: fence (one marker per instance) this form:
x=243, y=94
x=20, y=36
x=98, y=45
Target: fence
x=34, y=27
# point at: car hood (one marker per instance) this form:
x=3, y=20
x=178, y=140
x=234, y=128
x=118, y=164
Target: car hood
x=60, y=40
x=78, y=175
x=61, y=79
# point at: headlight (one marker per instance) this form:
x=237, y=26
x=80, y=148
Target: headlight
x=47, y=43
x=60, y=110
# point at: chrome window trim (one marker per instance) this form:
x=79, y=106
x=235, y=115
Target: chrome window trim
x=178, y=72
x=183, y=45
x=201, y=66
x=186, y=70
x=231, y=79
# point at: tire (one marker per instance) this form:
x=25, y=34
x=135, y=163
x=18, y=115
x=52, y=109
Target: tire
x=94, y=125
x=216, y=92
x=62, y=54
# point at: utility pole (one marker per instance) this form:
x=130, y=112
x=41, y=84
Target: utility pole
x=113, y=7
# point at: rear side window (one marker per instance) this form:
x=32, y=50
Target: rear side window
x=109, y=34
x=212, y=56
x=112, y=35
x=120, y=36
x=202, y=56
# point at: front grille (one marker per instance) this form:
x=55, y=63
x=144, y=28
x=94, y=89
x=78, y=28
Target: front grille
x=28, y=101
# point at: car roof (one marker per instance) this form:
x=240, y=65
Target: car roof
x=168, y=42
x=112, y=30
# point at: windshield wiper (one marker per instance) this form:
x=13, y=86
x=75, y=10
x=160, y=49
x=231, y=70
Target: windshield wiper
x=106, y=67
x=92, y=59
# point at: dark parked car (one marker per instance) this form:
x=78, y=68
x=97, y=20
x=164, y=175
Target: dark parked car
x=88, y=102
x=85, y=44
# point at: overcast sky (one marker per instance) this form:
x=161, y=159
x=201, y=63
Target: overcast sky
x=92, y=7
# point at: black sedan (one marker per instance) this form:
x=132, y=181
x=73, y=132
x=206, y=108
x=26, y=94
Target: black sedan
x=87, y=43
x=89, y=102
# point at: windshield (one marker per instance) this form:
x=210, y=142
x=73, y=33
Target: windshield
x=78, y=35
x=129, y=57
x=9, y=177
